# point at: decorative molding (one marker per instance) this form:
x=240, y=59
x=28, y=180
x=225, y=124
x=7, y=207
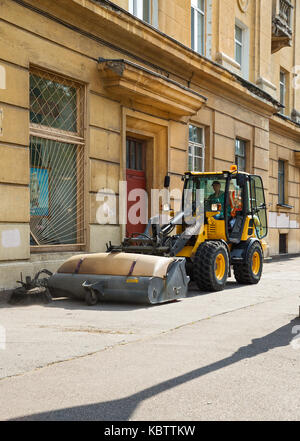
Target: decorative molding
x=128, y=80
x=264, y=82
x=228, y=62
x=243, y=5
x=267, y=86
x=295, y=116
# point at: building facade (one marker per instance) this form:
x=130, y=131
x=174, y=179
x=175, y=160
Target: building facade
x=97, y=94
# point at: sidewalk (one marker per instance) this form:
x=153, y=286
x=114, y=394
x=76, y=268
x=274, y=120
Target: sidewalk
x=214, y=356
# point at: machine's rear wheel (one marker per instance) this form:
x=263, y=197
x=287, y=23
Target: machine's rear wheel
x=211, y=266
x=249, y=273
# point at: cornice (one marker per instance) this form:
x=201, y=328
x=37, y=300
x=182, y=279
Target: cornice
x=128, y=80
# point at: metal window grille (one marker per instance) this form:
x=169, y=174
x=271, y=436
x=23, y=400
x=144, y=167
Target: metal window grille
x=56, y=160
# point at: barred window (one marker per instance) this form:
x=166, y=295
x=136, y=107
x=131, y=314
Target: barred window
x=56, y=160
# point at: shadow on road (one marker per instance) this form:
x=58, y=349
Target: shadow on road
x=123, y=409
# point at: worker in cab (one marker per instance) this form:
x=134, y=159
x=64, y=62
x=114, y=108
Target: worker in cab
x=217, y=197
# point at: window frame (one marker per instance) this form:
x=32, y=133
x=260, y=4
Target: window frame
x=137, y=8
x=281, y=182
x=237, y=155
x=238, y=43
x=195, y=12
x=245, y=48
x=282, y=90
x=191, y=150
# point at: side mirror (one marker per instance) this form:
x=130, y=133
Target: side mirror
x=167, y=181
x=241, y=180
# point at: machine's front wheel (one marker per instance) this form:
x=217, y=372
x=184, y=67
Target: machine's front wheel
x=249, y=273
x=211, y=266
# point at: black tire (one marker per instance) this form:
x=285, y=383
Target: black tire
x=249, y=273
x=91, y=297
x=206, y=272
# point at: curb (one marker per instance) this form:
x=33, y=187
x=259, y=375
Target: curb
x=280, y=257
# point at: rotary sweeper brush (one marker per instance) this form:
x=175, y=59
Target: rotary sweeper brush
x=120, y=277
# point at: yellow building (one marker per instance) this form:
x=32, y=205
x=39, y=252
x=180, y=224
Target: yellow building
x=94, y=92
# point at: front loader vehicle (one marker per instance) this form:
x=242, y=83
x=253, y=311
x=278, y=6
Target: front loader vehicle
x=222, y=225
x=235, y=223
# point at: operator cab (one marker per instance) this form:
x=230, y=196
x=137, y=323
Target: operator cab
x=230, y=202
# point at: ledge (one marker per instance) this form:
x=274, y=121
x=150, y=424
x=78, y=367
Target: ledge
x=285, y=125
x=124, y=79
x=289, y=207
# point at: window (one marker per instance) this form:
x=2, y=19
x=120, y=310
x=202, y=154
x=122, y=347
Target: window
x=238, y=45
x=281, y=182
x=135, y=154
x=56, y=160
x=198, y=26
x=241, y=52
x=146, y=10
x=196, y=149
x=282, y=83
x=283, y=243
x=240, y=154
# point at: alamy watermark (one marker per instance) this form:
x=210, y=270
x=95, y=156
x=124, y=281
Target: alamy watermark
x=133, y=206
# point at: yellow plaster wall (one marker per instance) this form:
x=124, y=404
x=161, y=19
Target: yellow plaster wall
x=76, y=57
x=174, y=19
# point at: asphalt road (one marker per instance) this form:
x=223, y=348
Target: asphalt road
x=232, y=355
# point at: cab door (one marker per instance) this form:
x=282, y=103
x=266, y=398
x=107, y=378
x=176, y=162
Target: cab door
x=258, y=206
x=235, y=213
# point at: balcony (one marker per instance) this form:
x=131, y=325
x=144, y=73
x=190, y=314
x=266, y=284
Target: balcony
x=281, y=24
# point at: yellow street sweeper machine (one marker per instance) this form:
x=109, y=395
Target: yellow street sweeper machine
x=221, y=227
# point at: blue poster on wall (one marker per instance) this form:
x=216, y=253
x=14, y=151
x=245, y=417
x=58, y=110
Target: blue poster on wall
x=39, y=192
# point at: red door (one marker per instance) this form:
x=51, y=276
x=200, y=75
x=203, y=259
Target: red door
x=136, y=179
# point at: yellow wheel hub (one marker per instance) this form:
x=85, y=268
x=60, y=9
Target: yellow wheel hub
x=255, y=263
x=220, y=266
